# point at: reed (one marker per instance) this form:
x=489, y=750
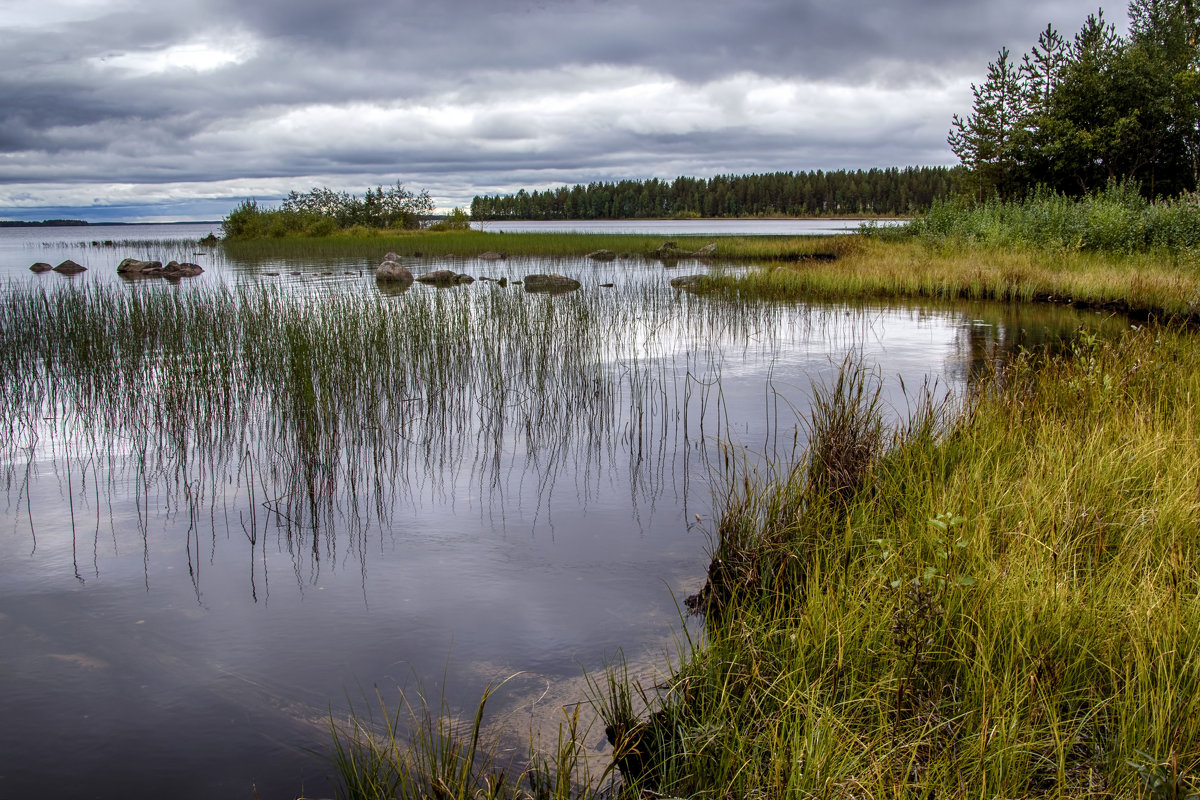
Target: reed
x=329, y=409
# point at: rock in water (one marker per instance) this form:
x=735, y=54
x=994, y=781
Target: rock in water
x=134, y=266
x=668, y=251
x=491, y=255
x=176, y=269
x=69, y=267
x=553, y=283
x=40, y=266
x=602, y=255
x=692, y=283
x=392, y=270
x=444, y=277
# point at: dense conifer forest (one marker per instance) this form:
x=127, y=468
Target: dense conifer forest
x=883, y=192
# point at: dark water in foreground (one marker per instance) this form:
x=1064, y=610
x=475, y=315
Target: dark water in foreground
x=169, y=631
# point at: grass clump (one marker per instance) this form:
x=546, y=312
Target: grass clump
x=1007, y=604
x=418, y=752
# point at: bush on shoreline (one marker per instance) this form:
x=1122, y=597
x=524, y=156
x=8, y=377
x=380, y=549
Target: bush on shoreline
x=324, y=212
x=1118, y=220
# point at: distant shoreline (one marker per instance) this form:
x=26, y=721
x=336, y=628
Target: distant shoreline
x=79, y=223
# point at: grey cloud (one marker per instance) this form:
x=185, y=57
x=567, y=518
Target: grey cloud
x=69, y=113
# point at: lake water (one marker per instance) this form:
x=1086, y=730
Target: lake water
x=176, y=621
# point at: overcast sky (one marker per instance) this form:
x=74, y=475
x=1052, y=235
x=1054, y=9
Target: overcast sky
x=178, y=109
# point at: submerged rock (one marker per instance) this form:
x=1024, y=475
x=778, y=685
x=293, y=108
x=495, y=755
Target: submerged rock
x=69, y=267
x=552, y=283
x=444, y=277
x=692, y=283
x=40, y=266
x=134, y=266
x=176, y=269
x=393, y=271
x=669, y=251
x=602, y=255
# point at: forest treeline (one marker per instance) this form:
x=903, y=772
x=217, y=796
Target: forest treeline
x=883, y=192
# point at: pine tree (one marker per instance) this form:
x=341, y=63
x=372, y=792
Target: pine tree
x=984, y=141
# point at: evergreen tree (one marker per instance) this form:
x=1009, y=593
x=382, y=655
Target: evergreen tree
x=985, y=140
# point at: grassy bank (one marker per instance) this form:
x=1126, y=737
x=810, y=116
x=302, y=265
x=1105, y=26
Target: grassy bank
x=1003, y=603
x=1162, y=284
x=373, y=244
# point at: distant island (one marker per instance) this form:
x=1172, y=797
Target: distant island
x=46, y=223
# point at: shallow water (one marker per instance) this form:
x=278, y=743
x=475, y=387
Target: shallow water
x=172, y=625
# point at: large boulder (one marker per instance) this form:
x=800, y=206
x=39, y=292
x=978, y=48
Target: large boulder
x=602, y=255
x=552, y=283
x=40, y=266
x=393, y=271
x=134, y=266
x=69, y=267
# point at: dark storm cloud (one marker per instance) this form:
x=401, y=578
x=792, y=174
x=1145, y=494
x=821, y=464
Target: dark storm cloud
x=204, y=95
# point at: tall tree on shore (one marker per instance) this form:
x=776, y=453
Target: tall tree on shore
x=985, y=140
x=1098, y=109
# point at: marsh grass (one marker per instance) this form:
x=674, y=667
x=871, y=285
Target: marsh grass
x=1145, y=285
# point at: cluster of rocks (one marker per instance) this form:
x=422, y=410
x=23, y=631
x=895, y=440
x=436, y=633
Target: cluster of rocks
x=67, y=267
x=129, y=267
x=394, y=275
x=172, y=269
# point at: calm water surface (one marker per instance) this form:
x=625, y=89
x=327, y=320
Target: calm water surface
x=169, y=627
